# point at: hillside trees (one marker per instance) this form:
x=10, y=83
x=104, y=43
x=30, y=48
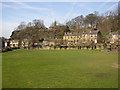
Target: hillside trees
x=110, y=22
x=54, y=23
x=92, y=19
x=21, y=26
x=105, y=22
x=84, y=22
x=36, y=23
x=76, y=23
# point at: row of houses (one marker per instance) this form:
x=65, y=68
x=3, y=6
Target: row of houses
x=85, y=37
x=71, y=40
x=92, y=39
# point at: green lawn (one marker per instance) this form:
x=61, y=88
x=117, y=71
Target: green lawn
x=59, y=69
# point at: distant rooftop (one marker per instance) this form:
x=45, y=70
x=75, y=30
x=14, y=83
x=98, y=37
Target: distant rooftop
x=84, y=32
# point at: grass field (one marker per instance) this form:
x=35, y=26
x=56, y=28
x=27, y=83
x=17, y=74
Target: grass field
x=59, y=69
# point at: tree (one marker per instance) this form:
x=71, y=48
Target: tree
x=29, y=24
x=91, y=19
x=55, y=23
x=109, y=22
x=21, y=26
x=38, y=23
x=113, y=19
x=76, y=23
x=86, y=23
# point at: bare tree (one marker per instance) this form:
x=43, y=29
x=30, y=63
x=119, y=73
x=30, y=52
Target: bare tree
x=29, y=24
x=38, y=23
x=21, y=26
x=77, y=22
x=92, y=19
x=55, y=23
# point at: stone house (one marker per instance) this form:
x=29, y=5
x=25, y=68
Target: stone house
x=49, y=42
x=114, y=37
x=76, y=38
x=7, y=43
x=52, y=43
x=25, y=43
x=94, y=36
x=72, y=38
x=14, y=43
x=4, y=43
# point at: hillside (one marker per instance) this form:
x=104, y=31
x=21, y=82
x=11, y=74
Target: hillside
x=32, y=32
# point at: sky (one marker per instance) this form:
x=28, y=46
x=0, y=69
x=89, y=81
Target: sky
x=15, y=12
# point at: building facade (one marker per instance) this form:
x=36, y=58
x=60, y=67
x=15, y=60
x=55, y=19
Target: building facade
x=86, y=37
x=14, y=43
x=114, y=38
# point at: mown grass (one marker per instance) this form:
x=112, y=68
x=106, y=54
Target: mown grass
x=59, y=69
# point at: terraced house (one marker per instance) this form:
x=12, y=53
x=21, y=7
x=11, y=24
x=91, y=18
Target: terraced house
x=14, y=43
x=72, y=38
x=114, y=38
x=93, y=36
x=77, y=38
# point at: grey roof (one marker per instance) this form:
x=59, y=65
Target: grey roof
x=91, y=32
x=73, y=34
x=79, y=34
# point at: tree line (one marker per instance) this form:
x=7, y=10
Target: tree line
x=37, y=23
x=106, y=23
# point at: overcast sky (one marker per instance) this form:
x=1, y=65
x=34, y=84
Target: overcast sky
x=15, y=12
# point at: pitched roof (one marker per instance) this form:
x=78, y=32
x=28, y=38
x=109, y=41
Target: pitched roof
x=91, y=32
x=73, y=34
x=79, y=34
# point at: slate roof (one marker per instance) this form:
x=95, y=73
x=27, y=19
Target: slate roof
x=91, y=32
x=73, y=34
x=79, y=34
